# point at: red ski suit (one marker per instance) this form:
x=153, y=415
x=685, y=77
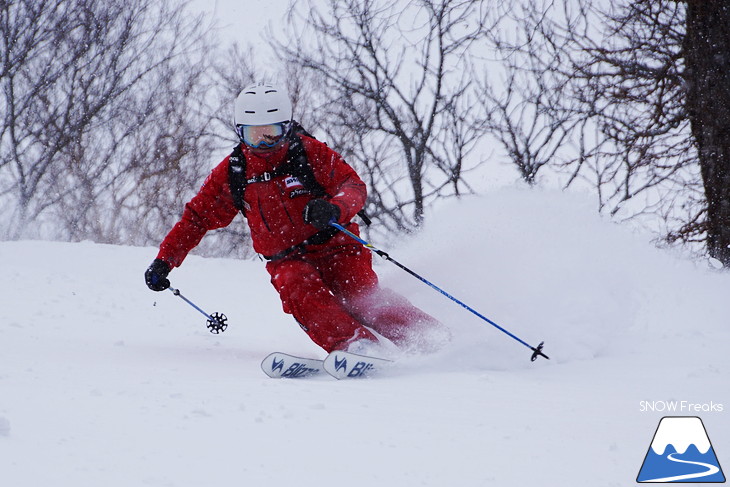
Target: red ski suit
x=330, y=288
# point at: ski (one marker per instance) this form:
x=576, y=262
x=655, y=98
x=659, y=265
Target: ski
x=346, y=365
x=340, y=365
x=284, y=366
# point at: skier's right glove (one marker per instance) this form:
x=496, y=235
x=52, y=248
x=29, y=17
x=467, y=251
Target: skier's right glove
x=320, y=213
x=156, y=275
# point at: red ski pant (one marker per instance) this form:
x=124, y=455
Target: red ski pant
x=333, y=291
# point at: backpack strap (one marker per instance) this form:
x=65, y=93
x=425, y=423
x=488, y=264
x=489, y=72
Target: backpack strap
x=237, y=177
x=298, y=166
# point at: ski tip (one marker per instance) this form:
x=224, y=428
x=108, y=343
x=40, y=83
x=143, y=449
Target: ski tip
x=281, y=365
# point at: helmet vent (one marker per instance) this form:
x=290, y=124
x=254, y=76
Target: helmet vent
x=272, y=110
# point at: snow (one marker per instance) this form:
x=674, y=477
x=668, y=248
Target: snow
x=103, y=382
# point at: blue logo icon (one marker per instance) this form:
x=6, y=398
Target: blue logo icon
x=277, y=365
x=681, y=452
x=340, y=363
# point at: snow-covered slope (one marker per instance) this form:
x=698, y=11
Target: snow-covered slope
x=105, y=383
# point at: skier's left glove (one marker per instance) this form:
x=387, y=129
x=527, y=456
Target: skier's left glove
x=320, y=213
x=156, y=275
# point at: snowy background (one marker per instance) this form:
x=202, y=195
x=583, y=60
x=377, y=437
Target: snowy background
x=250, y=23
x=105, y=383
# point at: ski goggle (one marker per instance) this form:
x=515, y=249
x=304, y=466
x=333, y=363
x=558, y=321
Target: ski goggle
x=261, y=135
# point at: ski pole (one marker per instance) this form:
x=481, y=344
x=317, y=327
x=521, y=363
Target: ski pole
x=537, y=351
x=217, y=322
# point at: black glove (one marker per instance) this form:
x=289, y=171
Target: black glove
x=156, y=275
x=320, y=213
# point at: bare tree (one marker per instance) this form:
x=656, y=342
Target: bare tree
x=521, y=93
x=656, y=87
x=633, y=84
x=706, y=49
x=617, y=97
x=396, y=89
x=103, y=116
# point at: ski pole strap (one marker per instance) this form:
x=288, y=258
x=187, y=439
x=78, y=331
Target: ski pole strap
x=537, y=351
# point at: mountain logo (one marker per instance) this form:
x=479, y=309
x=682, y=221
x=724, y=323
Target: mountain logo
x=681, y=452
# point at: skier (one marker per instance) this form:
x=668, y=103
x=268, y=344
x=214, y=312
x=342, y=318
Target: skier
x=324, y=278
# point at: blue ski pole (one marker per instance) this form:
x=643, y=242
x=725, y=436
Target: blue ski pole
x=217, y=322
x=537, y=351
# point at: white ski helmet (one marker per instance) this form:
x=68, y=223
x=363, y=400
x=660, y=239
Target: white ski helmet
x=262, y=104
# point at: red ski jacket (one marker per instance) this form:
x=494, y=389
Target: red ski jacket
x=273, y=208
